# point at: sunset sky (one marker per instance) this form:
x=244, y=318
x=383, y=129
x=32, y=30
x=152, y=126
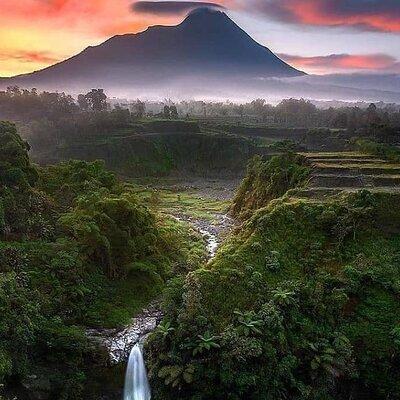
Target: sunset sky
x=317, y=36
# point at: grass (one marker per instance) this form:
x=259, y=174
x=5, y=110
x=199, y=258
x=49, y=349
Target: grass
x=341, y=154
x=292, y=228
x=183, y=202
x=367, y=165
x=123, y=299
x=342, y=171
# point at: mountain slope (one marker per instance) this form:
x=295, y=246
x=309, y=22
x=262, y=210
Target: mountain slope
x=206, y=43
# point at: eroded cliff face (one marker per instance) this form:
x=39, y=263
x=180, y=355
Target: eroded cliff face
x=163, y=154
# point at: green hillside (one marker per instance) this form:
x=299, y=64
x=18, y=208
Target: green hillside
x=302, y=302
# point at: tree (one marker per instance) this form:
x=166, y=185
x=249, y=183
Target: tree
x=139, y=109
x=258, y=106
x=340, y=120
x=167, y=112
x=97, y=100
x=83, y=102
x=296, y=112
x=372, y=114
x=173, y=112
x=112, y=231
x=372, y=108
x=15, y=167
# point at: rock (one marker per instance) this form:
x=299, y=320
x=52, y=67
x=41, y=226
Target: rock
x=119, y=343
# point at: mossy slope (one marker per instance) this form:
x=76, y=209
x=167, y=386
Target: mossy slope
x=302, y=303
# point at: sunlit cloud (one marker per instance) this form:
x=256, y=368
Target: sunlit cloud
x=371, y=15
x=52, y=29
x=344, y=62
x=31, y=48
x=62, y=28
x=42, y=57
x=37, y=33
x=89, y=16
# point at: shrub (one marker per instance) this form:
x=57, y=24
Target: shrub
x=268, y=180
x=303, y=301
x=385, y=151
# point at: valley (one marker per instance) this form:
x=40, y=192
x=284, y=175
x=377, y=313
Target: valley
x=257, y=258
x=199, y=200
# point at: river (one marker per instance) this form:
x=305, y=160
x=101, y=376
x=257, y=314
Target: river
x=119, y=343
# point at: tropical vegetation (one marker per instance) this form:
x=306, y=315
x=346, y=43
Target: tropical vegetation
x=301, y=303
x=78, y=249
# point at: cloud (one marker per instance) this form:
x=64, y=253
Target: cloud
x=36, y=57
x=368, y=15
x=170, y=7
x=344, y=62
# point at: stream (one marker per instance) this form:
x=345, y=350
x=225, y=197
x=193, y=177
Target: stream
x=212, y=232
x=119, y=343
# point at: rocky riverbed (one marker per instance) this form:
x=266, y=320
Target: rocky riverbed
x=119, y=342
x=213, y=231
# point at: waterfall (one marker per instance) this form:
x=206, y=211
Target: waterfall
x=136, y=382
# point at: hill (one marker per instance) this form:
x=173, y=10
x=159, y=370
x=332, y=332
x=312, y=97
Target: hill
x=300, y=302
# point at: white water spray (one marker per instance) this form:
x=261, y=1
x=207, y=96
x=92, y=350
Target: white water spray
x=136, y=382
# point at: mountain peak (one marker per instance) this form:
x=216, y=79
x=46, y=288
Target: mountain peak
x=206, y=16
x=205, y=11
x=206, y=44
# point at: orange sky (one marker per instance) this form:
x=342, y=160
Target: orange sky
x=344, y=62
x=37, y=33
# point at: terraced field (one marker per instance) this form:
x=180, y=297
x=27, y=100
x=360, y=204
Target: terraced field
x=349, y=171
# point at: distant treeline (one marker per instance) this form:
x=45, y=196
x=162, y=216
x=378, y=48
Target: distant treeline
x=296, y=113
x=55, y=118
x=48, y=119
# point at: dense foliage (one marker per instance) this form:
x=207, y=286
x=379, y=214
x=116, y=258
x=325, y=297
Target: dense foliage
x=302, y=303
x=57, y=119
x=269, y=179
x=77, y=249
x=381, y=150
x=52, y=119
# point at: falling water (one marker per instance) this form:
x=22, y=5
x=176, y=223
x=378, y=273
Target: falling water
x=136, y=382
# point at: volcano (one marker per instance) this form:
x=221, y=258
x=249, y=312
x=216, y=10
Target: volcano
x=206, y=44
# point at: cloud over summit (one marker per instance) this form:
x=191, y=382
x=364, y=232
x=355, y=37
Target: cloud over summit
x=170, y=7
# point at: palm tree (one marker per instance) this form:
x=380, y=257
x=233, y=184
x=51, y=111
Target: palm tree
x=283, y=297
x=205, y=343
x=248, y=323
